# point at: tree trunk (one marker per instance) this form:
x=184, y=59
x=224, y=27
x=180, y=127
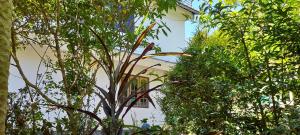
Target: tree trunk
x=113, y=127
x=5, y=35
x=73, y=122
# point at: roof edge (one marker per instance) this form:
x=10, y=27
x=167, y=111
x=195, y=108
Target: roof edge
x=188, y=8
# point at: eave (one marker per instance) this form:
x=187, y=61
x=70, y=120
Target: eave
x=188, y=8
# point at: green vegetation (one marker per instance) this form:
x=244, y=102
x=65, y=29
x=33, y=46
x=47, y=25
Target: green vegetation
x=76, y=39
x=243, y=79
x=201, y=101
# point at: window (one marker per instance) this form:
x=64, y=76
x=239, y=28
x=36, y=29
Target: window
x=139, y=84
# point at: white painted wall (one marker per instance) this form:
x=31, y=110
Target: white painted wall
x=174, y=42
x=30, y=60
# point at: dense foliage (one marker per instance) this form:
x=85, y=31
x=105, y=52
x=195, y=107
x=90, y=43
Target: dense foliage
x=74, y=40
x=202, y=100
x=244, y=80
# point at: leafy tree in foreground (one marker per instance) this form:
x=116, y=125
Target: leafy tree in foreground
x=201, y=101
x=5, y=26
x=266, y=35
x=86, y=37
x=263, y=45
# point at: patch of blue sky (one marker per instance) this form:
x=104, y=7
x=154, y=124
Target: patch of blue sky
x=191, y=26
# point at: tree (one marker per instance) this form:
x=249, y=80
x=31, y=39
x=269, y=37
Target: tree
x=201, y=101
x=86, y=40
x=5, y=26
x=263, y=41
x=265, y=33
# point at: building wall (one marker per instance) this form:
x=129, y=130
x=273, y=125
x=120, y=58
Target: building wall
x=175, y=41
x=30, y=62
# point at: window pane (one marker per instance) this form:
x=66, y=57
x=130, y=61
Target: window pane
x=144, y=84
x=134, y=86
x=137, y=85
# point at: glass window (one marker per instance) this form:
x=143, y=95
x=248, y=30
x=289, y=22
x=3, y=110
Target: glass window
x=138, y=84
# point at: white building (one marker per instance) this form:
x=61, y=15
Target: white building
x=174, y=42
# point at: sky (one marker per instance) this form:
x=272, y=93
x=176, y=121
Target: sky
x=190, y=27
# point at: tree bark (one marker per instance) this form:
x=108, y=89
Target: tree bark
x=74, y=122
x=5, y=41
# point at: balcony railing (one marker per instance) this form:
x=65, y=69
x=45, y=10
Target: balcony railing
x=186, y=2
